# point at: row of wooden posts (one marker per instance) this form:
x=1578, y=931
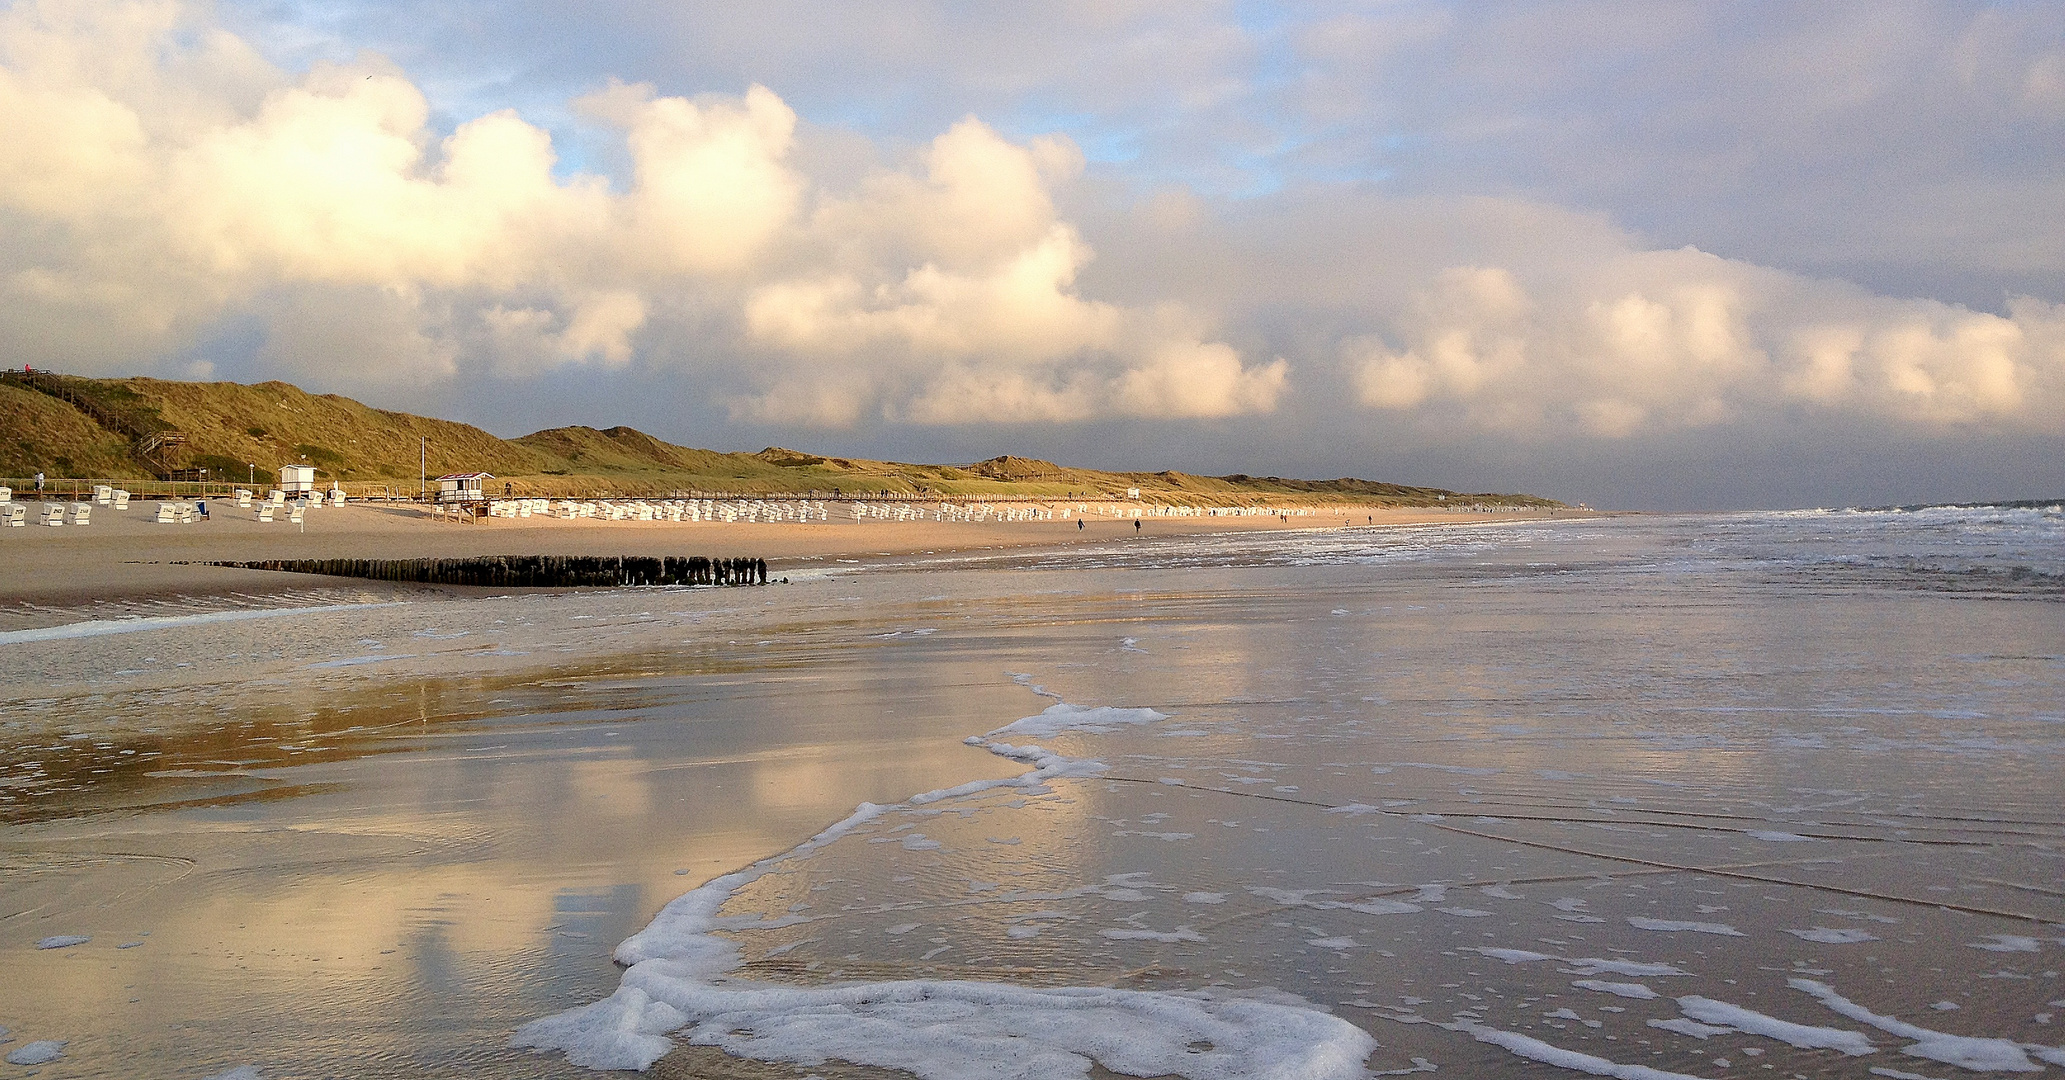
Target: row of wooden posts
x=532, y=571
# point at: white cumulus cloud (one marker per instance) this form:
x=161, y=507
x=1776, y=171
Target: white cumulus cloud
x=162, y=178
x=1651, y=340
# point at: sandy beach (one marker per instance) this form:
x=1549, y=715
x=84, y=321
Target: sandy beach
x=1502, y=798
x=126, y=563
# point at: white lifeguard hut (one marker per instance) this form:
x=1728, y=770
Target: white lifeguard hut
x=297, y=479
x=462, y=487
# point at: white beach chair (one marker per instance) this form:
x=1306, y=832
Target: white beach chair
x=243, y=498
x=6, y=494
x=53, y=513
x=14, y=514
x=265, y=512
x=299, y=514
x=336, y=496
x=121, y=500
x=103, y=493
x=276, y=497
x=186, y=513
x=81, y=513
x=167, y=514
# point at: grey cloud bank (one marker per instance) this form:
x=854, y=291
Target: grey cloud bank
x=1651, y=255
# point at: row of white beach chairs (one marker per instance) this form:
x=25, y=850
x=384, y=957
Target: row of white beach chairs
x=277, y=499
x=186, y=513
x=54, y=513
x=275, y=507
x=799, y=510
x=747, y=510
x=804, y=510
x=109, y=495
x=169, y=513
x=102, y=494
x=296, y=513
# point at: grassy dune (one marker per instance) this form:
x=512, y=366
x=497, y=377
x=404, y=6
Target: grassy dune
x=91, y=427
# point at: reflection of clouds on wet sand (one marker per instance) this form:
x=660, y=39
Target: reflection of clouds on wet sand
x=1611, y=816
x=436, y=861
x=1727, y=798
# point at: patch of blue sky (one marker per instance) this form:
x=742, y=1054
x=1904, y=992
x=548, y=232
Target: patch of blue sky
x=581, y=149
x=295, y=34
x=1269, y=16
x=899, y=124
x=1271, y=30
x=1102, y=141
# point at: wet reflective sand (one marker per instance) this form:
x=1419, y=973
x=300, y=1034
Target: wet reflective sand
x=1593, y=784
x=386, y=878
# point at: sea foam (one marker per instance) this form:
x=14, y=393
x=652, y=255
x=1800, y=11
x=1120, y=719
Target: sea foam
x=679, y=982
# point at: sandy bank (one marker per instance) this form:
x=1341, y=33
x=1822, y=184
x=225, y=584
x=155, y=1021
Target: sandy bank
x=128, y=558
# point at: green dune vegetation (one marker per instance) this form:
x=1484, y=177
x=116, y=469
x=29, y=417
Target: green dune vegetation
x=145, y=430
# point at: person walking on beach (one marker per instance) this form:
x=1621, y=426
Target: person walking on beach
x=1079, y=524
x=39, y=482
x=1136, y=525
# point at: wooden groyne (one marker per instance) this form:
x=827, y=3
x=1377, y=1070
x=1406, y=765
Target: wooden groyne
x=532, y=571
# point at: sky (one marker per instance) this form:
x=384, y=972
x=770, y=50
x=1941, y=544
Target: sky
x=1650, y=255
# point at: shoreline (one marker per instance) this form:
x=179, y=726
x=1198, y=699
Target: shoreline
x=483, y=796
x=124, y=562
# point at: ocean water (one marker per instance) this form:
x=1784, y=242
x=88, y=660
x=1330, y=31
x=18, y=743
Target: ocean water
x=1649, y=796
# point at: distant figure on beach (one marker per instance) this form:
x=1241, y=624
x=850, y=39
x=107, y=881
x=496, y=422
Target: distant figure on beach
x=1079, y=524
x=39, y=481
x=760, y=567
x=1136, y=524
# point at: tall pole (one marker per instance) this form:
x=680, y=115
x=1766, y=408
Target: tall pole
x=422, y=466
